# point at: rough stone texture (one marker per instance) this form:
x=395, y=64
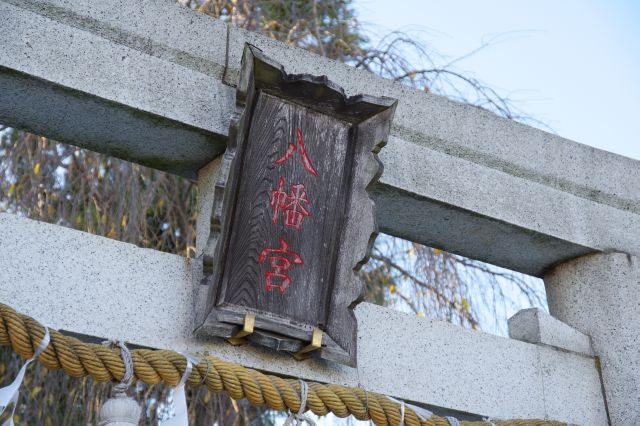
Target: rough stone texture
x=565, y=383
x=146, y=297
x=456, y=177
x=70, y=116
x=79, y=282
x=536, y=326
x=157, y=27
x=598, y=295
x=168, y=116
x=473, y=369
x=480, y=212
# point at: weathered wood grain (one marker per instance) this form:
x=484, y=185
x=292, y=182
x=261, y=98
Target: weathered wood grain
x=272, y=129
x=341, y=137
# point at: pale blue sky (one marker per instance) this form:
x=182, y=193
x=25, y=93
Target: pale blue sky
x=572, y=64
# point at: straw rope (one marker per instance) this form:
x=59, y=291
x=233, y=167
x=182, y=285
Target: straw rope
x=79, y=359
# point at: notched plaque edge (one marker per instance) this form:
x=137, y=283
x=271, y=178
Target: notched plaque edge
x=370, y=118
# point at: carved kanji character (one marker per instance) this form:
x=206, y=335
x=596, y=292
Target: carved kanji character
x=291, y=203
x=280, y=260
x=291, y=149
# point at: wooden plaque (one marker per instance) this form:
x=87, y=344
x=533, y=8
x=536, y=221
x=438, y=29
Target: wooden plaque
x=292, y=220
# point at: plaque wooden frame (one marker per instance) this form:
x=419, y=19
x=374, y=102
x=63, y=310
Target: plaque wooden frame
x=369, y=120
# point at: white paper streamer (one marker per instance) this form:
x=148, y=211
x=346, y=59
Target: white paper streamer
x=452, y=421
x=422, y=413
x=489, y=420
x=9, y=394
x=181, y=413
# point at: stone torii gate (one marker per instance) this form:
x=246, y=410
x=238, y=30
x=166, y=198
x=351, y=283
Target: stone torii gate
x=456, y=177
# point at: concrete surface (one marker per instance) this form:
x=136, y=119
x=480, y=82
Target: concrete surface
x=72, y=84
x=598, y=295
x=456, y=177
x=536, y=326
x=156, y=27
x=147, y=298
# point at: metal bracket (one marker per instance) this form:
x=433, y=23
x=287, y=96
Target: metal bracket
x=316, y=343
x=247, y=329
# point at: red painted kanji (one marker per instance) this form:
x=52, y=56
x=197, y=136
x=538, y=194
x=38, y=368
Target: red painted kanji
x=291, y=149
x=280, y=260
x=291, y=203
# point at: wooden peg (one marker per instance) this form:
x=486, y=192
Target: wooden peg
x=247, y=329
x=316, y=343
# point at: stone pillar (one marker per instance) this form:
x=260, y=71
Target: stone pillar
x=599, y=295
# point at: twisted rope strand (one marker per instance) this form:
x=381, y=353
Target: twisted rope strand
x=79, y=359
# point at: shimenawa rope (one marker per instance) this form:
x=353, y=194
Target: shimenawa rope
x=79, y=359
